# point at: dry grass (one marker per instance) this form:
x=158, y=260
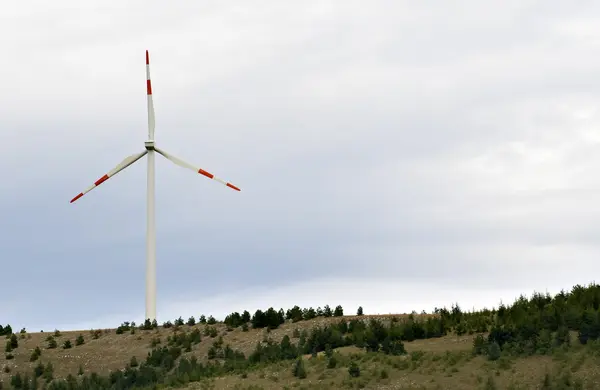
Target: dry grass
x=112, y=351
x=444, y=363
x=456, y=369
x=109, y=352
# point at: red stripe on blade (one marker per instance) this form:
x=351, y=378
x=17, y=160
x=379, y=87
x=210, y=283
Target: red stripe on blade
x=77, y=197
x=232, y=186
x=147, y=58
x=203, y=172
x=148, y=87
x=101, y=180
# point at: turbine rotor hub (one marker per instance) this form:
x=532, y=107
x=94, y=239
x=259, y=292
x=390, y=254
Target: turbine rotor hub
x=149, y=145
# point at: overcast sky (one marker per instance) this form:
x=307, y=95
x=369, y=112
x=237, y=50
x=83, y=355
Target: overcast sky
x=397, y=155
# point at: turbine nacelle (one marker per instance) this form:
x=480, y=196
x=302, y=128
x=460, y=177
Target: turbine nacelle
x=149, y=145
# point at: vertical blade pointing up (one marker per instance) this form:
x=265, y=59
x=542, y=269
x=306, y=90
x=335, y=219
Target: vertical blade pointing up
x=151, y=222
x=150, y=102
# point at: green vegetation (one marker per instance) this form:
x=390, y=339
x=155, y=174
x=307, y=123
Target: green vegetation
x=539, y=327
x=5, y=330
x=37, y=352
x=79, y=340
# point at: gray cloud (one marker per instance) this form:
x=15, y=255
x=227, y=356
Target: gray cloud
x=395, y=144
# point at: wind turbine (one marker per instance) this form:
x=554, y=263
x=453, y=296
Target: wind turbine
x=151, y=226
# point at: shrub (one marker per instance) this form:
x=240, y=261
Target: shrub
x=48, y=372
x=332, y=362
x=354, y=370
x=359, y=312
x=212, y=352
x=299, y=370
x=16, y=381
x=5, y=331
x=155, y=341
x=52, y=343
x=14, y=341
x=328, y=350
x=494, y=351
x=67, y=344
x=79, y=340
x=133, y=362
x=35, y=354
x=149, y=325
x=479, y=345
x=38, y=370
x=124, y=327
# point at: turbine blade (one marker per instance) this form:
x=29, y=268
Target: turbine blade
x=187, y=165
x=151, y=121
x=122, y=165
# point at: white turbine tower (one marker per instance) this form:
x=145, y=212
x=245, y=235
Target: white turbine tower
x=150, y=227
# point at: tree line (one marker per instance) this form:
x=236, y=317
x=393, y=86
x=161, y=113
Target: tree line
x=271, y=318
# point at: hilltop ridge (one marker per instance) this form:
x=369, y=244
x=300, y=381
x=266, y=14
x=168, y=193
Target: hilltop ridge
x=326, y=344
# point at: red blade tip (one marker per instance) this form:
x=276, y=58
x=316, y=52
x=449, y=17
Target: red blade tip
x=232, y=186
x=147, y=58
x=75, y=198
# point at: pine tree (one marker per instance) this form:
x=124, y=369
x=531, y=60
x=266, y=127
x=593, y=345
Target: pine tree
x=299, y=369
x=133, y=362
x=494, y=351
x=52, y=343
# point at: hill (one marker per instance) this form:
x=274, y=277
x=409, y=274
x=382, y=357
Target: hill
x=535, y=342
